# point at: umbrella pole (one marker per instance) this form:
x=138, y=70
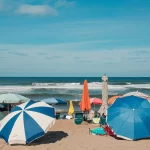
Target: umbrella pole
x=8, y=108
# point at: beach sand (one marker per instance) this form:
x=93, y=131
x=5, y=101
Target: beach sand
x=65, y=135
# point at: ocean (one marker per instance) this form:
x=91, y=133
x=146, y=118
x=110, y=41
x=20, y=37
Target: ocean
x=70, y=88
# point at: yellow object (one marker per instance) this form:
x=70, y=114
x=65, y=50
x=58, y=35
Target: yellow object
x=71, y=109
x=96, y=120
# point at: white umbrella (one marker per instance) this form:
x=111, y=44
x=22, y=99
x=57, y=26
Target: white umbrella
x=139, y=94
x=12, y=98
x=27, y=122
x=103, y=108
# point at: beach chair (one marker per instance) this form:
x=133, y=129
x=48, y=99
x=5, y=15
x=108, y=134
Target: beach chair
x=97, y=131
x=57, y=116
x=78, y=118
x=109, y=131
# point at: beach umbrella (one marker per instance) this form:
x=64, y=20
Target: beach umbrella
x=137, y=93
x=85, y=104
x=1, y=106
x=148, y=98
x=129, y=118
x=1, y=115
x=12, y=98
x=96, y=101
x=103, y=108
x=53, y=101
x=27, y=122
x=112, y=99
x=71, y=109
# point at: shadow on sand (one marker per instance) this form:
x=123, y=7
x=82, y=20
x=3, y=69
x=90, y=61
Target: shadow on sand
x=50, y=137
x=121, y=139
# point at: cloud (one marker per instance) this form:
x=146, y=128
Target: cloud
x=77, y=57
x=1, y=4
x=109, y=58
x=19, y=54
x=8, y=5
x=134, y=58
x=3, y=57
x=50, y=58
x=85, y=61
x=107, y=63
x=27, y=9
x=41, y=53
x=64, y=3
x=54, y=57
x=142, y=61
x=4, y=49
x=64, y=58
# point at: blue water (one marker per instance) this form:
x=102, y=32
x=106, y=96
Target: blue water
x=70, y=88
x=30, y=80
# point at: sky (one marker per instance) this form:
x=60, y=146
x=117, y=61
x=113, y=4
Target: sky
x=75, y=38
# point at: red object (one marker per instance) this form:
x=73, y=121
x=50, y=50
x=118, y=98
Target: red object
x=108, y=130
x=85, y=104
x=96, y=101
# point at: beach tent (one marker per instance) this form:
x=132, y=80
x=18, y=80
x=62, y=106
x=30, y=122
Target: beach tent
x=129, y=118
x=27, y=122
x=85, y=104
x=71, y=109
x=112, y=99
x=53, y=101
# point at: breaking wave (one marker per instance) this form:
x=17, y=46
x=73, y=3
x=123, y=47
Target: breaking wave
x=47, y=87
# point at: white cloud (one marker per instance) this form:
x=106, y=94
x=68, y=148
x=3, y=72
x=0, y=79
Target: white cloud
x=64, y=3
x=64, y=57
x=1, y=4
x=37, y=10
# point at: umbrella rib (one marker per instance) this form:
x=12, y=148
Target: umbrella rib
x=124, y=122
x=143, y=122
x=116, y=112
x=113, y=113
x=146, y=114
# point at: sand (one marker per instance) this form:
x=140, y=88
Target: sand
x=65, y=135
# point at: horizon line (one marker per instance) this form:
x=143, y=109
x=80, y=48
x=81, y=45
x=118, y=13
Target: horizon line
x=73, y=77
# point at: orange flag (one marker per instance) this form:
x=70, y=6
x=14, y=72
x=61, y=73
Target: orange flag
x=85, y=104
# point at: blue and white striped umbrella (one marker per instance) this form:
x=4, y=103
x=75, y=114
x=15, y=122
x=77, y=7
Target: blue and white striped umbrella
x=27, y=122
x=53, y=101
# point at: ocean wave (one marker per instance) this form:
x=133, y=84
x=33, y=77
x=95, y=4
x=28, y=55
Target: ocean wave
x=47, y=87
x=91, y=85
x=55, y=84
x=128, y=83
